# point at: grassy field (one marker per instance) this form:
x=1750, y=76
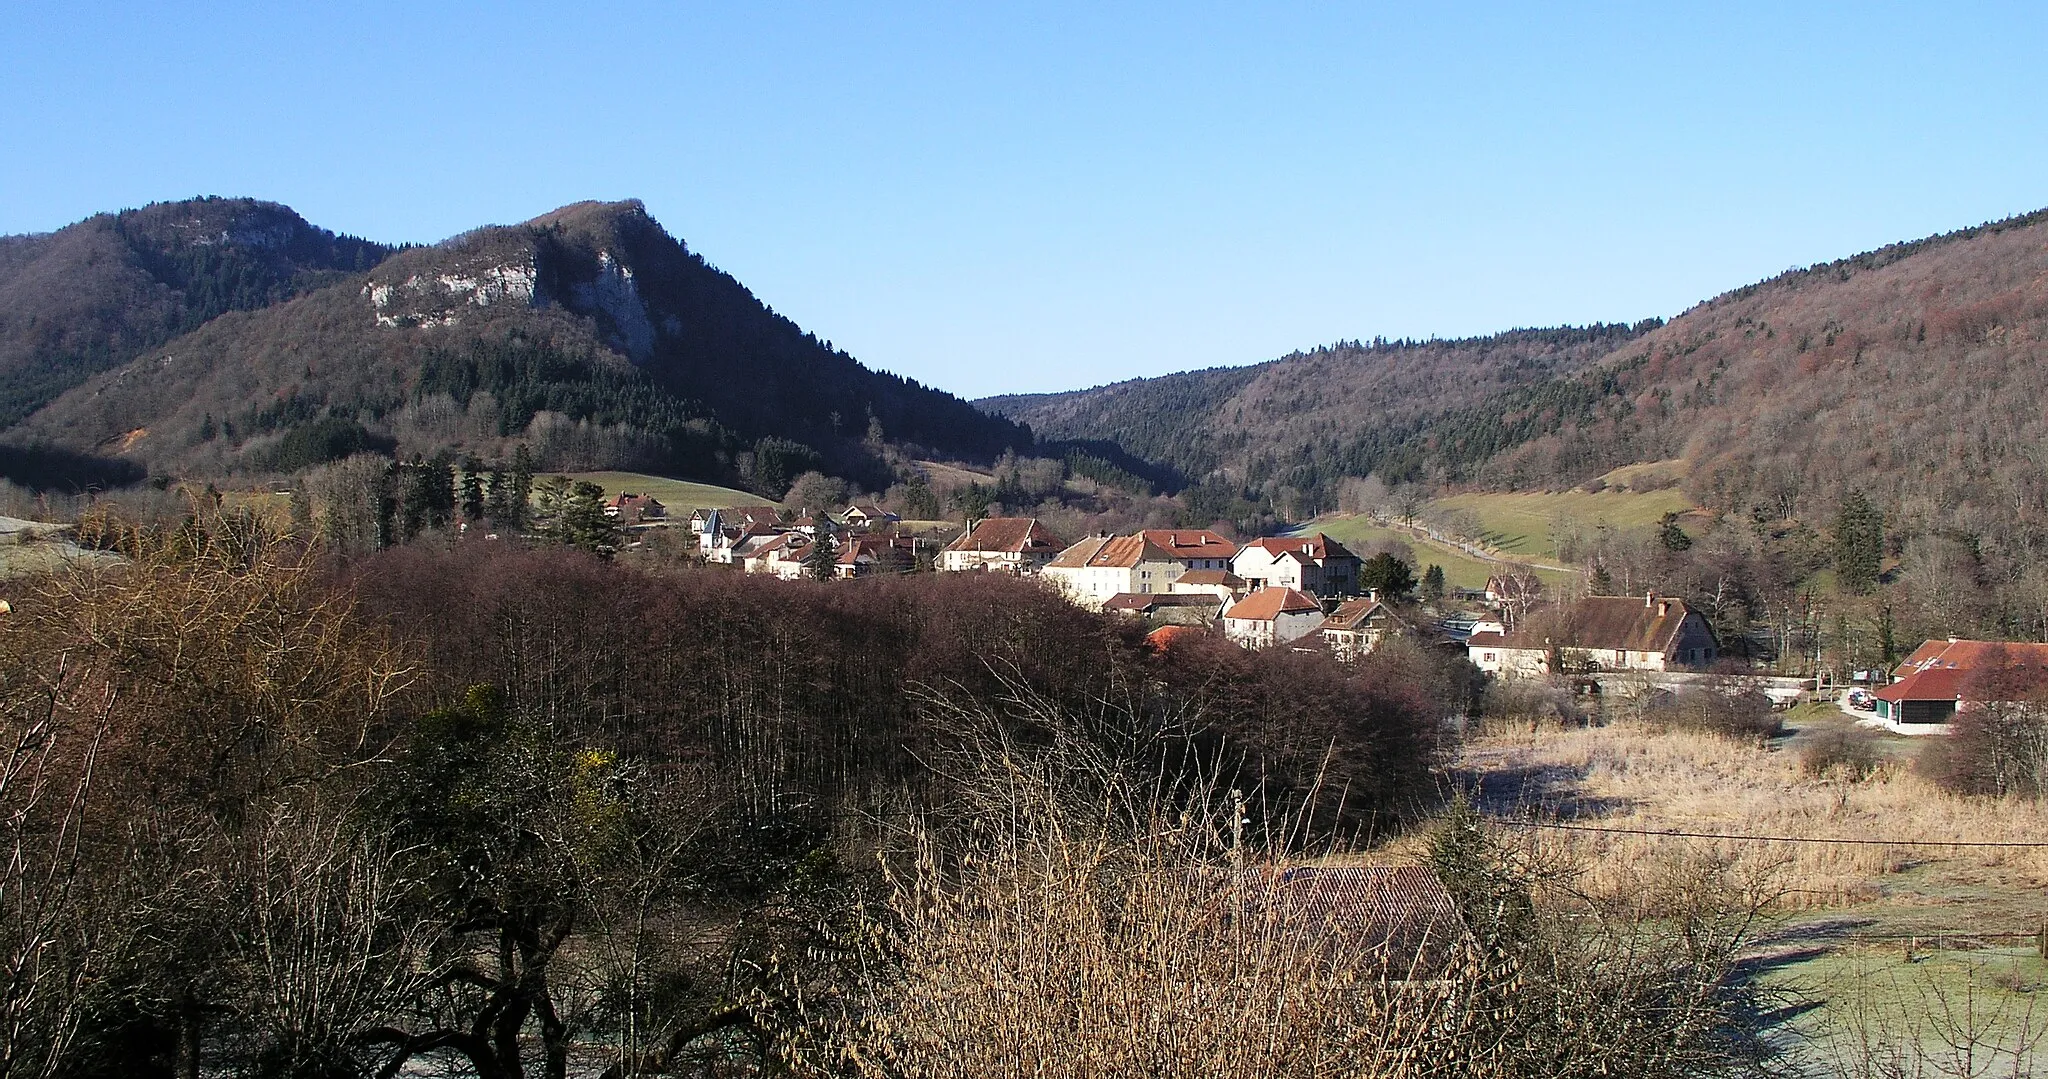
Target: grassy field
x=679, y=496
x=1460, y=569
x=1524, y=525
x=1924, y=953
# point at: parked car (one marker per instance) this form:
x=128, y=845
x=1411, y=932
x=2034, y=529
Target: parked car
x=1862, y=701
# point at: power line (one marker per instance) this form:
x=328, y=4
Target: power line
x=1677, y=834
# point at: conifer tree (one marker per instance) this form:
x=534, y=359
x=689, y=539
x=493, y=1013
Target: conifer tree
x=1433, y=583
x=822, y=560
x=1859, y=543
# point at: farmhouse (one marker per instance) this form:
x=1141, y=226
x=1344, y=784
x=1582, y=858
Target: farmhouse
x=1014, y=545
x=868, y=515
x=1315, y=564
x=1599, y=633
x=1099, y=567
x=1272, y=616
x=1357, y=627
x=630, y=509
x=1514, y=589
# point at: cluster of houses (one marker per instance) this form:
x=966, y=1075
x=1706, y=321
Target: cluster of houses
x=756, y=539
x=1261, y=594
x=1297, y=590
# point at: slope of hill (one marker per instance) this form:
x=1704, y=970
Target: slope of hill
x=1309, y=418
x=98, y=293
x=1913, y=374
x=588, y=333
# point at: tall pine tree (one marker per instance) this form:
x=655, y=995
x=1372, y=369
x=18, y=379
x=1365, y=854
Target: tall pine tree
x=1859, y=543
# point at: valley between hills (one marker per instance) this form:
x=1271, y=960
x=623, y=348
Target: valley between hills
x=532, y=654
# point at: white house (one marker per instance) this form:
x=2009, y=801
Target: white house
x=1315, y=564
x=1100, y=567
x=1272, y=616
x=1014, y=545
x=1600, y=633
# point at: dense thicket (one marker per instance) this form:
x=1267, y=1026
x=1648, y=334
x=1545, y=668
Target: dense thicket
x=504, y=805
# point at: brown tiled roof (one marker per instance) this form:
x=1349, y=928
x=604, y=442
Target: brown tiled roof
x=1111, y=552
x=1351, y=614
x=1940, y=684
x=1267, y=604
x=1317, y=547
x=1621, y=622
x=1975, y=655
x=1009, y=535
x=1488, y=639
x=1190, y=542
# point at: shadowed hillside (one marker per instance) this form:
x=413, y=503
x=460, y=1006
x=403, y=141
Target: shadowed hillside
x=92, y=296
x=1308, y=419
x=588, y=333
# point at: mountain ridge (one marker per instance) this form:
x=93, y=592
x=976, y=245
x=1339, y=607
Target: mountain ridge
x=587, y=332
x=1782, y=395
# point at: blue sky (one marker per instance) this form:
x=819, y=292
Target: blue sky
x=996, y=198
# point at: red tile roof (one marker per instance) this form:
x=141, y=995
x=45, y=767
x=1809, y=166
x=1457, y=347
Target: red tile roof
x=1006, y=535
x=1316, y=548
x=1190, y=542
x=1975, y=655
x=1935, y=685
x=1159, y=640
x=1269, y=603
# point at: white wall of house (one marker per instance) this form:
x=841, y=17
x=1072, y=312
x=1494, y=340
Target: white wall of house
x=1092, y=586
x=1267, y=632
x=988, y=562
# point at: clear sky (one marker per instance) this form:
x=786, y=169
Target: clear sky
x=997, y=198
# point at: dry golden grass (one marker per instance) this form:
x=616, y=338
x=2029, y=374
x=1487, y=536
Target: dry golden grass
x=1636, y=777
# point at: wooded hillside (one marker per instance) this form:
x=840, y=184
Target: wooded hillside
x=588, y=333
x=1910, y=373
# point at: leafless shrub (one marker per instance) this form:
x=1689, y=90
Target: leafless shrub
x=1074, y=926
x=1852, y=754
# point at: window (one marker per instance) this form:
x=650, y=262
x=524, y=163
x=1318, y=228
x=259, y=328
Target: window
x=1487, y=656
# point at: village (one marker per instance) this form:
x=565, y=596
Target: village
x=1311, y=592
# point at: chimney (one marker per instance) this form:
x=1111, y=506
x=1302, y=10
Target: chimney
x=1663, y=607
x=1649, y=599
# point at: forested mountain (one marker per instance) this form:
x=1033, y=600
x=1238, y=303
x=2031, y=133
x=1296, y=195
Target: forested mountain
x=1309, y=418
x=588, y=333
x=95, y=295
x=1913, y=373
